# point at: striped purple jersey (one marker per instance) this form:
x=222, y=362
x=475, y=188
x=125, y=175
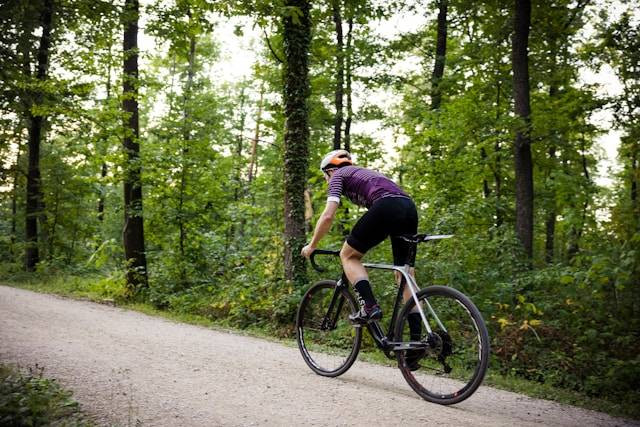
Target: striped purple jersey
x=362, y=186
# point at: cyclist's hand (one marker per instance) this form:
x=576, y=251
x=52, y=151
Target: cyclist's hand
x=307, y=251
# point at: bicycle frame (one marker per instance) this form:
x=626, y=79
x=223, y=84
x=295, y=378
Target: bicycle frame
x=385, y=341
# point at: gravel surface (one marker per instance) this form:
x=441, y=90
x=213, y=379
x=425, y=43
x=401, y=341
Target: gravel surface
x=127, y=368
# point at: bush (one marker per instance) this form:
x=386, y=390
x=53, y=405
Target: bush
x=30, y=399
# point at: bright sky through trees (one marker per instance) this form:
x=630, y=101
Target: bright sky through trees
x=239, y=52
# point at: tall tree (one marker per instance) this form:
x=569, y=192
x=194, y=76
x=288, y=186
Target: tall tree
x=622, y=51
x=103, y=166
x=185, y=150
x=441, y=52
x=253, y=163
x=36, y=127
x=349, y=78
x=296, y=41
x=558, y=27
x=522, y=149
x=339, y=91
x=14, y=196
x=133, y=231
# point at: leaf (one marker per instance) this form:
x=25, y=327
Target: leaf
x=565, y=280
x=504, y=322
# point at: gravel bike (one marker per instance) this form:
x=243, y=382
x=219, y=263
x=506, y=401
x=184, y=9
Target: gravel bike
x=445, y=366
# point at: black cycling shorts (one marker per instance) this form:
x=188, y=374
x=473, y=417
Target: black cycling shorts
x=389, y=216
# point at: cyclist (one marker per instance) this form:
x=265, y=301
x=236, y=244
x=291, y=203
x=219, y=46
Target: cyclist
x=391, y=212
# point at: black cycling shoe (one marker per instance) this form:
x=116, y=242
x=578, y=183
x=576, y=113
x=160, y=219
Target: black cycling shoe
x=412, y=359
x=365, y=315
x=413, y=365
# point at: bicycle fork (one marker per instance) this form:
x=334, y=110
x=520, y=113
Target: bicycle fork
x=331, y=318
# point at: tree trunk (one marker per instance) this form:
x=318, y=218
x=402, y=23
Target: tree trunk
x=497, y=178
x=14, y=197
x=576, y=232
x=550, y=223
x=523, y=160
x=239, y=145
x=635, y=211
x=133, y=230
x=486, y=191
x=36, y=124
x=337, y=122
x=296, y=40
x=497, y=173
x=103, y=175
x=235, y=233
x=441, y=51
x=349, y=62
x=256, y=137
x=54, y=224
x=186, y=137
x=103, y=169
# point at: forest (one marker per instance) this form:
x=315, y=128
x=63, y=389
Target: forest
x=131, y=156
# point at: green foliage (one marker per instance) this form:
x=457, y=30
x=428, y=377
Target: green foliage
x=31, y=399
x=214, y=232
x=570, y=326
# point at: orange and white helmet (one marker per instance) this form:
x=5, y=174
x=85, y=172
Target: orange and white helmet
x=335, y=159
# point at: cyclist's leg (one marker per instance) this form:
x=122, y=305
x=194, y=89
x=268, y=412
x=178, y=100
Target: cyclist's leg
x=368, y=232
x=352, y=263
x=404, y=253
x=401, y=250
x=357, y=275
x=406, y=293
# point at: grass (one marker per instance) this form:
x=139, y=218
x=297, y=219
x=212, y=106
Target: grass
x=28, y=398
x=99, y=289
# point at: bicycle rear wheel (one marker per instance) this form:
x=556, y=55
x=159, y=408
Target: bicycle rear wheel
x=454, y=365
x=329, y=343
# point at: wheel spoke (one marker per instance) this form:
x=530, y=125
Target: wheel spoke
x=328, y=342
x=455, y=364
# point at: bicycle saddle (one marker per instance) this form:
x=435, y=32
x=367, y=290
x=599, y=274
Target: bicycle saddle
x=418, y=238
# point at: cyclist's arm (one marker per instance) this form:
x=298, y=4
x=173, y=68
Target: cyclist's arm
x=322, y=226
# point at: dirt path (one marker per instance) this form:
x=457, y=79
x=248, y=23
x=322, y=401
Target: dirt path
x=124, y=366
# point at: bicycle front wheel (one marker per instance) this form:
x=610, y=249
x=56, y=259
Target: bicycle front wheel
x=455, y=362
x=329, y=343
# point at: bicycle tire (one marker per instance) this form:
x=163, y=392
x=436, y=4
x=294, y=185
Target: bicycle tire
x=466, y=366
x=330, y=351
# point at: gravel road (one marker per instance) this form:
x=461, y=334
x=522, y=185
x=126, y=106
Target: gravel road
x=127, y=368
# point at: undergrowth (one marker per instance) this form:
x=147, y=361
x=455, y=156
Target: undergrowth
x=28, y=398
x=112, y=290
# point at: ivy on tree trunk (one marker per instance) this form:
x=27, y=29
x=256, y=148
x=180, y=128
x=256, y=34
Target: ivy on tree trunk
x=296, y=41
